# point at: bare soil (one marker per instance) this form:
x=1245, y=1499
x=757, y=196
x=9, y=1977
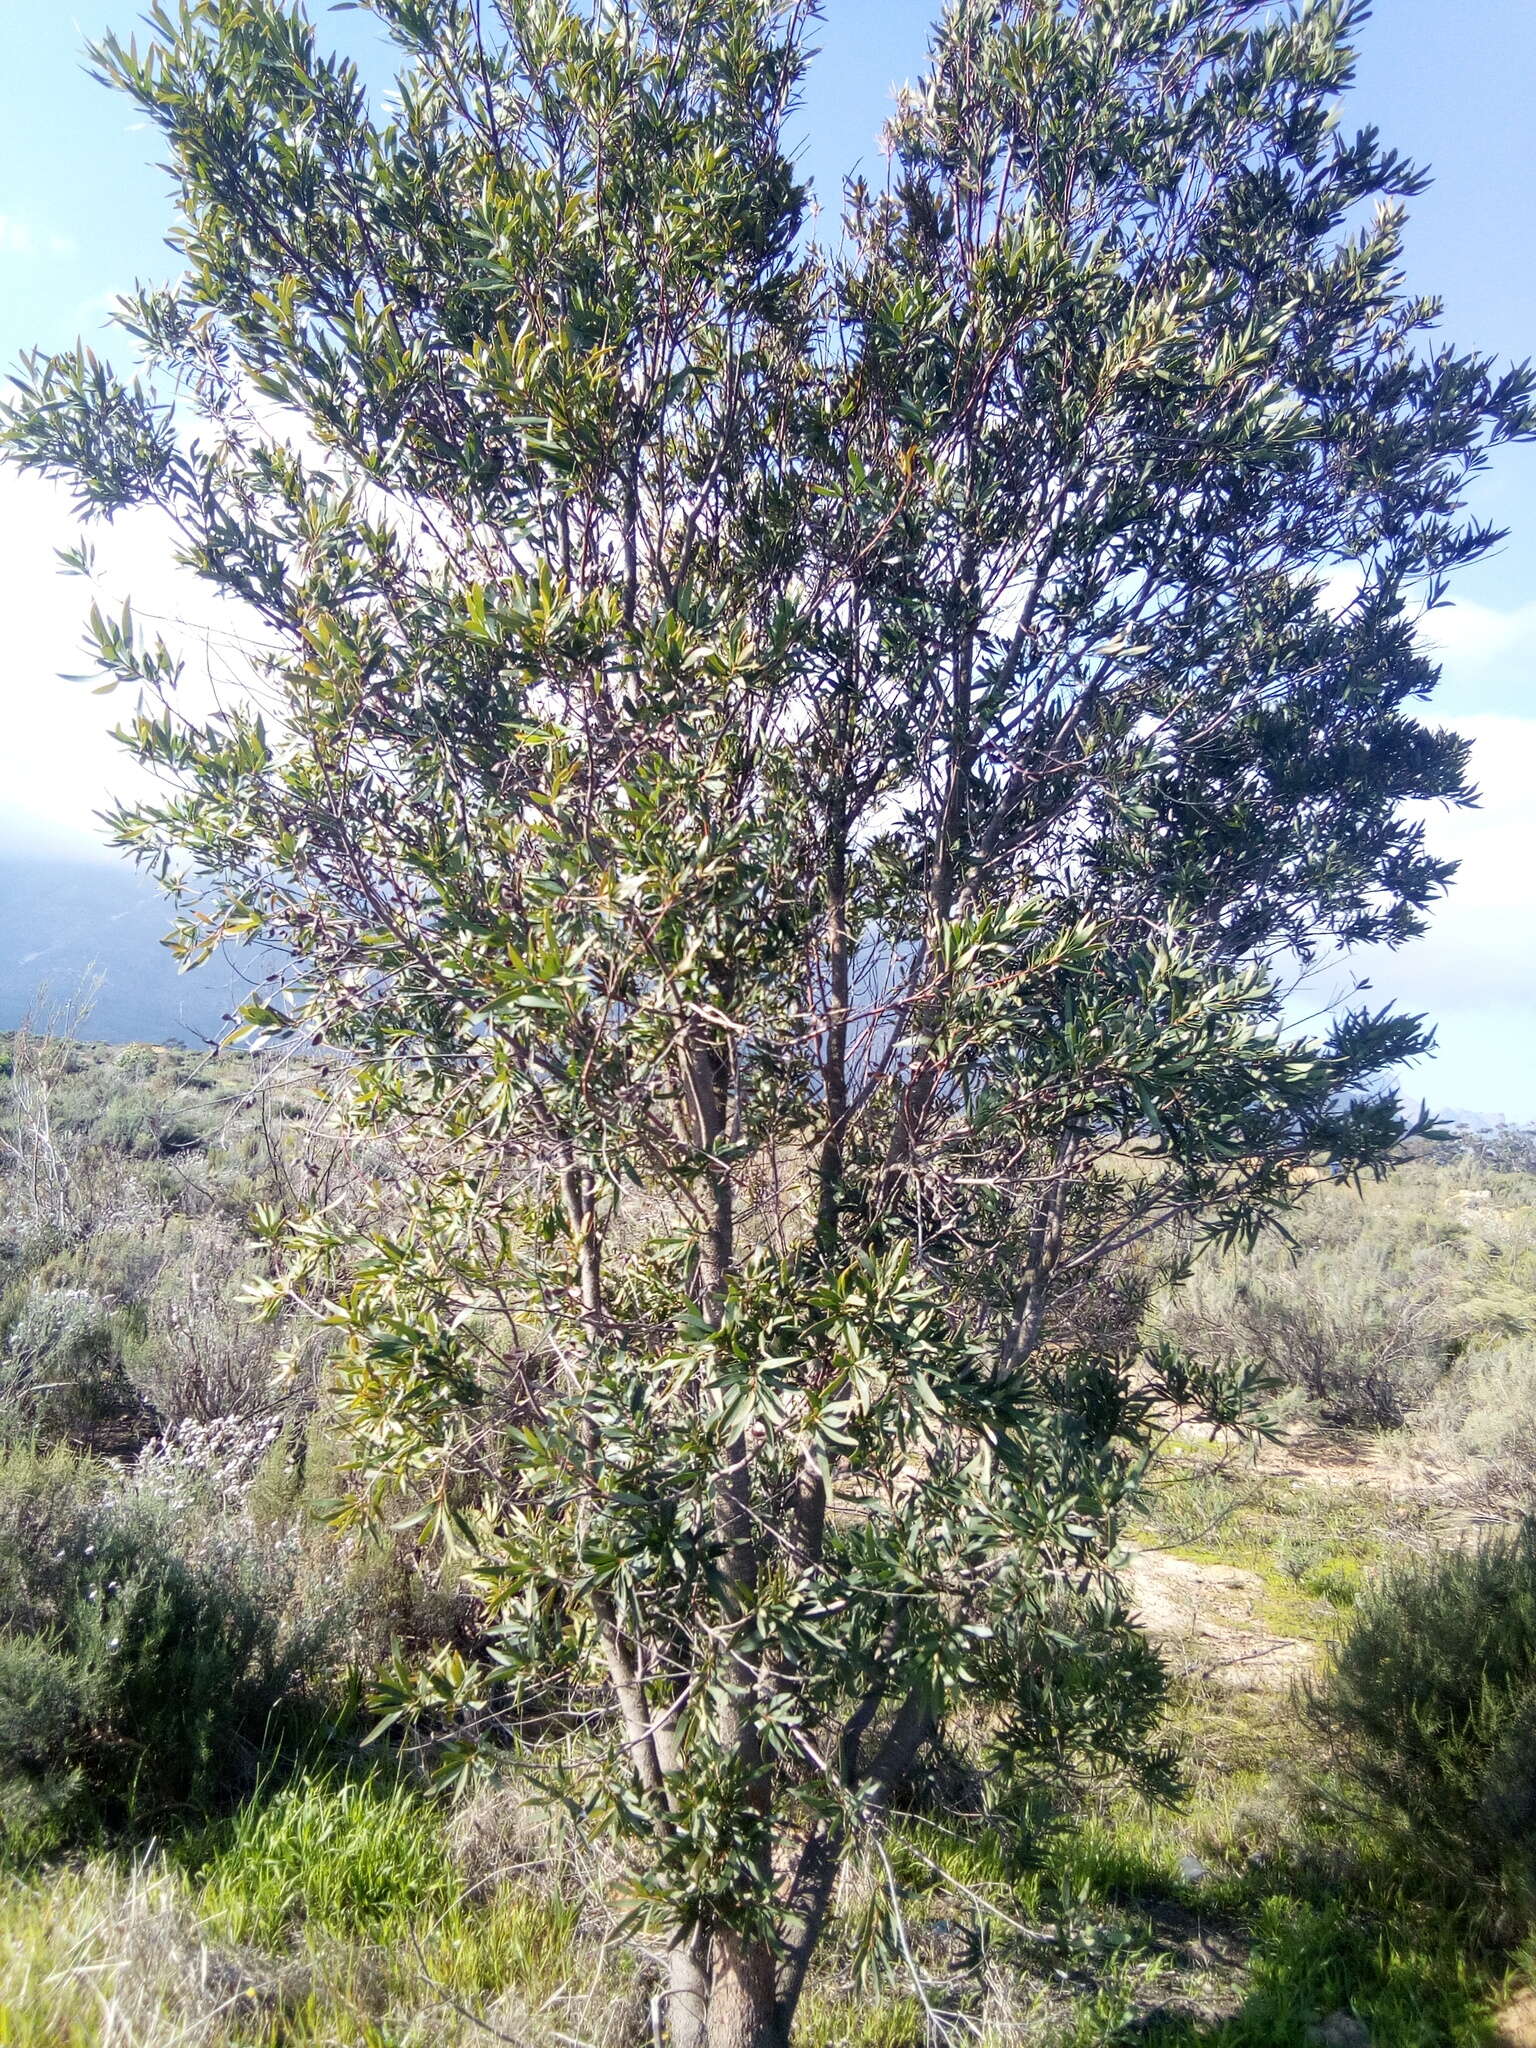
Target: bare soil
x=1206, y=1618
x=1515, y=2026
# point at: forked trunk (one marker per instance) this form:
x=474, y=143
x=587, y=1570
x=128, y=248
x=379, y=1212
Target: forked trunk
x=743, y=2006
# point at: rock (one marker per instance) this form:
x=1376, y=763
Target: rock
x=1192, y=1870
x=1339, y=2030
x=1209, y=1617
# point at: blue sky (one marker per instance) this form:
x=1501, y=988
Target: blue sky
x=84, y=212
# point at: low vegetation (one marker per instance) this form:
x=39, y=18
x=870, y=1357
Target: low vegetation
x=146, y=1654
x=1429, y=1709
x=200, y=1845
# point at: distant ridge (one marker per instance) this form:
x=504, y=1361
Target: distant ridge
x=1479, y=1122
x=61, y=918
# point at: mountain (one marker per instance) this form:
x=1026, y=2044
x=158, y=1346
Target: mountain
x=1480, y=1122
x=63, y=921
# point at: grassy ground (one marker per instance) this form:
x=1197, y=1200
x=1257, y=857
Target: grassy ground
x=1311, y=1541
x=346, y=1911
x=352, y=1912
x=336, y=1913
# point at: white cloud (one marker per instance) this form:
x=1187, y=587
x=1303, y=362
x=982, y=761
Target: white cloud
x=1474, y=973
x=19, y=237
x=1481, y=646
x=59, y=765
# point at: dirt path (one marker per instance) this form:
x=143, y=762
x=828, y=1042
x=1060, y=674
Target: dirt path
x=1206, y=1619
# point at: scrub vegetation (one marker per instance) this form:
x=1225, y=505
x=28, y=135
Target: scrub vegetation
x=729, y=1426
x=201, y=1844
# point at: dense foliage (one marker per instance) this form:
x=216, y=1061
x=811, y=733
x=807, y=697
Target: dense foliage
x=141, y=1672
x=1429, y=1705
x=791, y=778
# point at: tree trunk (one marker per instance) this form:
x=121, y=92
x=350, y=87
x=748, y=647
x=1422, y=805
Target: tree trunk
x=743, y=2003
x=687, y=1995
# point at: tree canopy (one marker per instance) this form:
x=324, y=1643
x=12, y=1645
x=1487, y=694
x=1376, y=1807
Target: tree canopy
x=793, y=774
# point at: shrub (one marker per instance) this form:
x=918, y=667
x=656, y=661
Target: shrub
x=1483, y=1417
x=1375, y=1294
x=1429, y=1707
x=204, y=1356
x=60, y=1369
x=1354, y=1332
x=140, y=1664
x=144, y=1126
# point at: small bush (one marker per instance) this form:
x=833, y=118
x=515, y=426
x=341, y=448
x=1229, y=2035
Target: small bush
x=203, y=1355
x=1429, y=1707
x=1362, y=1339
x=1483, y=1417
x=60, y=1371
x=1335, y=1579
x=127, y=1124
x=140, y=1668
x=1372, y=1296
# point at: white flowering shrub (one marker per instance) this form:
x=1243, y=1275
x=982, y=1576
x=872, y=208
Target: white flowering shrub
x=206, y=1465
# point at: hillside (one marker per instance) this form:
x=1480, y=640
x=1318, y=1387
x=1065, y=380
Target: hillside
x=64, y=922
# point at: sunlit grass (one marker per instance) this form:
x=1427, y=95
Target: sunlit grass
x=1411, y=1983
x=1311, y=1545
x=352, y=1857
x=329, y=1913
x=107, y=1957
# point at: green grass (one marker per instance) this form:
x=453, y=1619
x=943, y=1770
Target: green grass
x=365, y=1861
x=327, y=1915
x=343, y=1889
x=1308, y=1915
x=829, y=2021
x=1313, y=1545
x=1409, y=1981
x=1302, y=1935
x=341, y=1899
x=353, y=1857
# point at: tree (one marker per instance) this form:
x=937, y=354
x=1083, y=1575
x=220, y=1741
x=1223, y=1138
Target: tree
x=794, y=779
